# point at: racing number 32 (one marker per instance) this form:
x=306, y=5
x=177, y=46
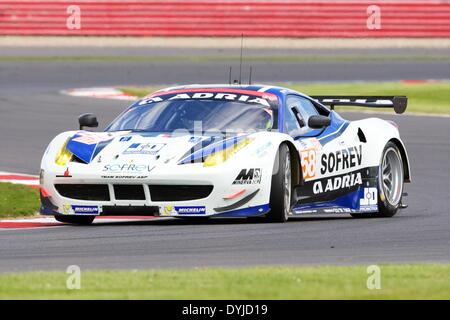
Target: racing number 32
x=308, y=162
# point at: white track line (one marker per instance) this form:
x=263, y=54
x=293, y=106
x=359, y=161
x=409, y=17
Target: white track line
x=19, y=178
x=50, y=222
x=100, y=92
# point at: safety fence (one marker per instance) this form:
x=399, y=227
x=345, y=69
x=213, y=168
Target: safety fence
x=255, y=18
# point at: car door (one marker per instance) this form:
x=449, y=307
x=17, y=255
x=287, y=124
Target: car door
x=296, y=114
x=325, y=177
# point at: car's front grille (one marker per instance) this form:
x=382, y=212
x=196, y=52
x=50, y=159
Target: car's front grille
x=179, y=192
x=134, y=192
x=93, y=192
x=129, y=192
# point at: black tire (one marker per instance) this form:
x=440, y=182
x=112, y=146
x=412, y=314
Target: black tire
x=81, y=220
x=389, y=192
x=281, y=189
x=389, y=204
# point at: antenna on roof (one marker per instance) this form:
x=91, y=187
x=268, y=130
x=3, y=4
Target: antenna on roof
x=229, y=76
x=250, y=76
x=240, y=60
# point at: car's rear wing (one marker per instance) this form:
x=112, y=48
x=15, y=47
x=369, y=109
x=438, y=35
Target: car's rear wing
x=399, y=103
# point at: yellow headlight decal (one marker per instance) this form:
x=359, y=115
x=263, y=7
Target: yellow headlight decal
x=223, y=155
x=63, y=156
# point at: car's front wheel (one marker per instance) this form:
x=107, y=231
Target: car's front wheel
x=281, y=190
x=82, y=220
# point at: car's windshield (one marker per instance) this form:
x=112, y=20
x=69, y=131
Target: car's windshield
x=186, y=112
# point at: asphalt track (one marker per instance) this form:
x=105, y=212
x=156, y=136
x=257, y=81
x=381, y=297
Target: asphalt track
x=32, y=112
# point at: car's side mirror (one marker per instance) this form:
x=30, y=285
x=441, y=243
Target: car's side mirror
x=87, y=120
x=318, y=122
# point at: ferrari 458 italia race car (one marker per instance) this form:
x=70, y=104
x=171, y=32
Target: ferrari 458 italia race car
x=228, y=151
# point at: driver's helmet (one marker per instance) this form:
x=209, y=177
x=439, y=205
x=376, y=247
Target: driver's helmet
x=189, y=112
x=263, y=119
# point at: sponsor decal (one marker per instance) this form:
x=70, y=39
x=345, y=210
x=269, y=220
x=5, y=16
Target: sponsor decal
x=369, y=200
x=149, y=100
x=124, y=139
x=147, y=148
x=248, y=176
x=85, y=209
x=210, y=96
x=314, y=190
x=174, y=210
x=338, y=210
x=368, y=209
x=309, y=149
x=94, y=137
x=308, y=162
x=385, y=102
x=123, y=177
x=127, y=167
x=338, y=182
x=168, y=210
x=341, y=160
x=66, y=208
x=191, y=210
x=308, y=211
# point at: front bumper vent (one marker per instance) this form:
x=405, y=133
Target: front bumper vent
x=129, y=192
x=179, y=192
x=134, y=192
x=91, y=192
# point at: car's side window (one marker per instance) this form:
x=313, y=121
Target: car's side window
x=297, y=112
x=291, y=124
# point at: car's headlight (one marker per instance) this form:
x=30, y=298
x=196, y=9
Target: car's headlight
x=221, y=156
x=63, y=156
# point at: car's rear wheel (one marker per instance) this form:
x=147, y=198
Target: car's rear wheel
x=390, y=183
x=281, y=190
x=82, y=220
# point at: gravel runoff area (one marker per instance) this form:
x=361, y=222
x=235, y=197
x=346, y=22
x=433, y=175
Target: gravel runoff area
x=225, y=42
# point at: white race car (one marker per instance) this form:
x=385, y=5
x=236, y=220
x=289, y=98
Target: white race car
x=228, y=151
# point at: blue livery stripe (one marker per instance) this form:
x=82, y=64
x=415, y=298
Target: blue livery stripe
x=211, y=148
x=246, y=212
x=81, y=150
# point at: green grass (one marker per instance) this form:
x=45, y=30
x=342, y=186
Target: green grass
x=415, y=281
x=18, y=200
x=218, y=58
x=422, y=97
x=139, y=91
